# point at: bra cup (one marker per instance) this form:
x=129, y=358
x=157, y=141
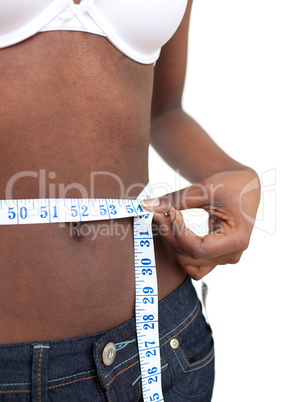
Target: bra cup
x=144, y=25
x=15, y=14
x=138, y=28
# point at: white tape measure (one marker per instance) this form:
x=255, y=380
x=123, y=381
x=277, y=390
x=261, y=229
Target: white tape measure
x=54, y=210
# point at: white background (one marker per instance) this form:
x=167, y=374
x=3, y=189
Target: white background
x=233, y=89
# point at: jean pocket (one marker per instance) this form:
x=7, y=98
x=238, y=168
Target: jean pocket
x=188, y=359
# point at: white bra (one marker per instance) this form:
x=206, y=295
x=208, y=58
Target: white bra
x=138, y=28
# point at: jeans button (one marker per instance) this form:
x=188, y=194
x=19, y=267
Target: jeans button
x=174, y=343
x=109, y=354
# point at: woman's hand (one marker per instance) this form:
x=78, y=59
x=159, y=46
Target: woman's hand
x=231, y=198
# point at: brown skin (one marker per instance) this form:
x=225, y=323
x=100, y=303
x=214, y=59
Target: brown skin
x=226, y=189
x=72, y=104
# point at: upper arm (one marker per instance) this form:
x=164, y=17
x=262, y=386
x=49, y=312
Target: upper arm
x=170, y=69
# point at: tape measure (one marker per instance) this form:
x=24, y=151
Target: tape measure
x=55, y=210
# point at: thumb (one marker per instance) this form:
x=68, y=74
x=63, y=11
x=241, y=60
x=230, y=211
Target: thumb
x=194, y=196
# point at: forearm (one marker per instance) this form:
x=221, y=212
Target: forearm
x=186, y=147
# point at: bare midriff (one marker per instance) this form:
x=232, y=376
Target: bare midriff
x=75, y=122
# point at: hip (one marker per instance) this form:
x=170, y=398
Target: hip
x=105, y=366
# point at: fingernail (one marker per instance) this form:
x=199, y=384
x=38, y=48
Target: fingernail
x=172, y=214
x=177, y=218
x=178, y=214
x=154, y=202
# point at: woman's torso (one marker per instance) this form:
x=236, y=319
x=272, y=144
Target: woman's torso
x=75, y=122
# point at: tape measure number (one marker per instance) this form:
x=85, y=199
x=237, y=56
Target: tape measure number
x=147, y=309
x=55, y=210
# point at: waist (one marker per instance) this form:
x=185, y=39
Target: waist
x=53, y=272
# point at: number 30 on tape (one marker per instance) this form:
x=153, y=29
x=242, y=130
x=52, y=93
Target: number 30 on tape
x=54, y=210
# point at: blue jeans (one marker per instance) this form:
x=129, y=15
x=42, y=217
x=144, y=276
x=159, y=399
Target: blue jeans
x=74, y=370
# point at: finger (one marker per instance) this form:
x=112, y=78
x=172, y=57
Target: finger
x=211, y=246
x=164, y=228
x=195, y=196
x=231, y=258
x=214, y=223
x=184, y=259
x=198, y=272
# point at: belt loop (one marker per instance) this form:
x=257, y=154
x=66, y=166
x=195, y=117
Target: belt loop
x=39, y=373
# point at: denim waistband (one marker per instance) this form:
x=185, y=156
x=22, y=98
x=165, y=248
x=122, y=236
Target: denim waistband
x=56, y=363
